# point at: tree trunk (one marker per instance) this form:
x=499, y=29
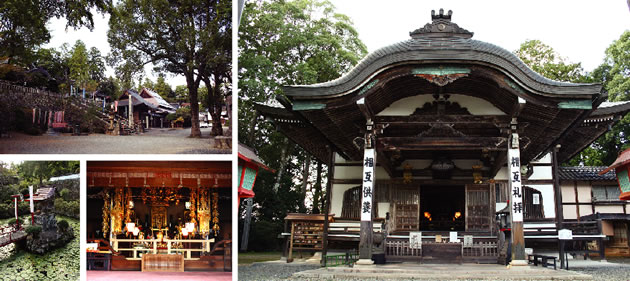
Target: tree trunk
x=283, y=163
x=318, y=189
x=252, y=129
x=305, y=172
x=307, y=165
x=214, y=104
x=217, y=127
x=193, y=88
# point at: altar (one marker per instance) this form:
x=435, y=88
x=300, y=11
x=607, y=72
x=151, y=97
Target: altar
x=161, y=216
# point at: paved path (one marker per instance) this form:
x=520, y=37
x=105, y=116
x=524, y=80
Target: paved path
x=155, y=141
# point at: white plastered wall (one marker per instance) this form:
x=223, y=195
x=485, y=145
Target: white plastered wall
x=406, y=106
x=539, y=173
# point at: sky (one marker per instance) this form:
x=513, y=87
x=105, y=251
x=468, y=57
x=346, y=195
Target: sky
x=97, y=38
x=578, y=30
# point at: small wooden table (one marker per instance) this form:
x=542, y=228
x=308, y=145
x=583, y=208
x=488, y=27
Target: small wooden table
x=100, y=260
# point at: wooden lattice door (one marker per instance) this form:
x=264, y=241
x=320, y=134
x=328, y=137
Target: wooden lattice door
x=478, y=208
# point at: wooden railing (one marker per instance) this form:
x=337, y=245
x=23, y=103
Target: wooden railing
x=482, y=249
x=203, y=246
x=397, y=249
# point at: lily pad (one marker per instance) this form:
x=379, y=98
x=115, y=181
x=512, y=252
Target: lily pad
x=59, y=264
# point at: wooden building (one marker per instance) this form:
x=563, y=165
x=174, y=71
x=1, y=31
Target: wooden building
x=588, y=196
x=169, y=216
x=148, y=109
x=427, y=139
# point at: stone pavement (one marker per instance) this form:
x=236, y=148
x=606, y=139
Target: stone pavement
x=415, y=271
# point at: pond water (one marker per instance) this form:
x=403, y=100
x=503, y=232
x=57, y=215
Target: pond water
x=59, y=264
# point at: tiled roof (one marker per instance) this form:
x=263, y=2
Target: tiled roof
x=586, y=174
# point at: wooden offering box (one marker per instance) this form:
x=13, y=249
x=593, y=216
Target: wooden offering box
x=163, y=262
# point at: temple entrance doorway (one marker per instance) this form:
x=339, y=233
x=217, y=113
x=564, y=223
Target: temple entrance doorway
x=442, y=208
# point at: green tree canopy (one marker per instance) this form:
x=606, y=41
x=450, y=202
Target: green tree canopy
x=547, y=62
x=23, y=23
x=79, y=63
x=280, y=43
x=613, y=73
x=42, y=170
x=173, y=35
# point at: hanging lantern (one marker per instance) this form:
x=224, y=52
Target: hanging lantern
x=190, y=226
x=131, y=226
x=407, y=173
x=622, y=170
x=248, y=166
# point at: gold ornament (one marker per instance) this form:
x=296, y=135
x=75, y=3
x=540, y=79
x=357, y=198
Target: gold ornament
x=215, y=213
x=106, y=210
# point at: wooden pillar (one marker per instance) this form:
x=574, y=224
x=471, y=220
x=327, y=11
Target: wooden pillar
x=249, y=202
x=331, y=176
x=516, y=190
x=557, y=189
x=130, y=111
x=369, y=162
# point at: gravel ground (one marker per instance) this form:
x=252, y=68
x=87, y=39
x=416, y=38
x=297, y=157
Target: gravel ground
x=616, y=273
x=271, y=271
x=284, y=271
x=156, y=141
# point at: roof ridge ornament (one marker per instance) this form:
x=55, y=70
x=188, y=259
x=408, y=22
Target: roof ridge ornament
x=441, y=26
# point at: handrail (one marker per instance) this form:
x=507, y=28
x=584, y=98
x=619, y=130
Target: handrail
x=220, y=243
x=107, y=246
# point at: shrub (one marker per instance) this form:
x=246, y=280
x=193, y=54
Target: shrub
x=67, y=208
x=63, y=224
x=65, y=194
x=33, y=229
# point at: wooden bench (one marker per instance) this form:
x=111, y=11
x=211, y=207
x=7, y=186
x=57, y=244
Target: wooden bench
x=545, y=260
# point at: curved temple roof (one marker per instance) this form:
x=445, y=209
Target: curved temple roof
x=442, y=59
x=442, y=41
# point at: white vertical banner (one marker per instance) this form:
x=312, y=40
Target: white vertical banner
x=30, y=193
x=514, y=177
x=15, y=200
x=369, y=161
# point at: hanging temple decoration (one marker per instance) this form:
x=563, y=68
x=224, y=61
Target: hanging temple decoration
x=106, y=211
x=215, y=212
x=203, y=211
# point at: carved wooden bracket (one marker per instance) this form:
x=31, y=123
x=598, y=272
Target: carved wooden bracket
x=441, y=80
